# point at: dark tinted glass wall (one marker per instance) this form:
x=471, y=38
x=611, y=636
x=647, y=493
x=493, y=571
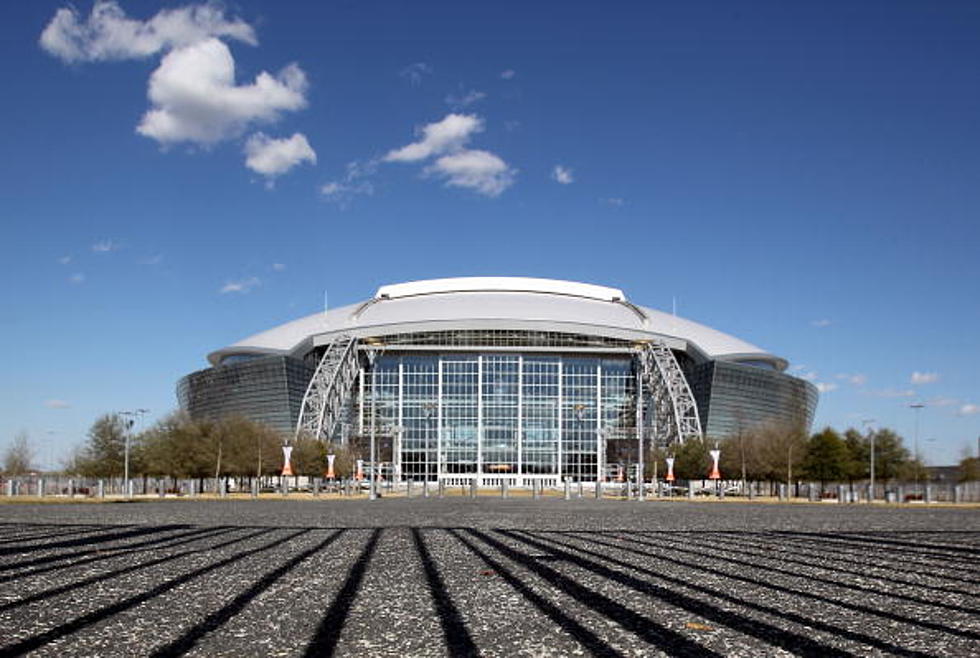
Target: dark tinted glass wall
x=734, y=396
x=266, y=389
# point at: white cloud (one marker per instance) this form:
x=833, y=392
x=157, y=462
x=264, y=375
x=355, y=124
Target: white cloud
x=152, y=260
x=857, y=379
x=77, y=278
x=562, y=175
x=353, y=183
x=415, y=72
x=478, y=170
x=481, y=171
x=615, y=201
x=968, y=409
x=821, y=323
x=924, y=377
x=274, y=157
x=278, y=267
x=107, y=34
x=64, y=260
x=194, y=97
x=440, y=137
x=242, y=286
x=942, y=402
x=891, y=393
x=465, y=99
x=57, y=404
x=508, y=74
x=105, y=246
x=826, y=387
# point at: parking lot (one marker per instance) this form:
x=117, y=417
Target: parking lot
x=487, y=577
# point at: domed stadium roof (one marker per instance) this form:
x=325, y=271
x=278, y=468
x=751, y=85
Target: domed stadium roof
x=499, y=303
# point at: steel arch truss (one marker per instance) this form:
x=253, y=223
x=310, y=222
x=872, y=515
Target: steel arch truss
x=329, y=389
x=675, y=410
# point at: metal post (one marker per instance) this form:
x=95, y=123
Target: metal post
x=425, y=488
x=255, y=488
x=473, y=487
x=503, y=487
x=40, y=488
x=374, y=422
x=598, y=489
x=568, y=489
x=442, y=488
x=581, y=487
x=408, y=488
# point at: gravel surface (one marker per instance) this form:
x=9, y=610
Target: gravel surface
x=487, y=577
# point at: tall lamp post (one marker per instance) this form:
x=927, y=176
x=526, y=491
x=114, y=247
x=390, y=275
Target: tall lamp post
x=869, y=423
x=138, y=413
x=917, y=407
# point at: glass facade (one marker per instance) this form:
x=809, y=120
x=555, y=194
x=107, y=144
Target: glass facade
x=266, y=389
x=733, y=396
x=495, y=414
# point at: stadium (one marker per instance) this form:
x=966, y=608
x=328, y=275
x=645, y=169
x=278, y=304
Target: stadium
x=489, y=379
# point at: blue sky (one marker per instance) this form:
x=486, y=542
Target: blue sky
x=803, y=176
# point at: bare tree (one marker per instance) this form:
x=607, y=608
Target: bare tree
x=19, y=455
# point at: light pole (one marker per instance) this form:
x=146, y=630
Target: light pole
x=138, y=413
x=917, y=407
x=869, y=423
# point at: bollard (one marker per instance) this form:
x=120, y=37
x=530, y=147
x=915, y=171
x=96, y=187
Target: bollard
x=870, y=494
x=841, y=494
x=255, y=488
x=441, y=489
x=161, y=488
x=958, y=493
x=504, y=493
x=581, y=488
x=316, y=487
x=101, y=489
x=10, y=488
x=40, y=488
x=690, y=491
x=598, y=489
x=928, y=495
x=751, y=491
x=472, y=487
x=900, y=494
x=568, y=489
x=812, y=494
x=425, y=488
x=534, y=489
x=782, y=492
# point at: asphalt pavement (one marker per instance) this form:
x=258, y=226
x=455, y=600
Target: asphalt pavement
x=491, y=577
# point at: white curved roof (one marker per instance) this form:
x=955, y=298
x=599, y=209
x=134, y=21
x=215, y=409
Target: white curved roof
x=499, y=303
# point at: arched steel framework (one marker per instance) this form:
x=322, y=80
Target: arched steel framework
x=676, y=412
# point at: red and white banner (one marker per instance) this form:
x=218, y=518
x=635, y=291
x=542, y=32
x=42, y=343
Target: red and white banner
x=359, y=473
x=330, y=474
x=715, y=455
x=670, y=469
x=287, y=467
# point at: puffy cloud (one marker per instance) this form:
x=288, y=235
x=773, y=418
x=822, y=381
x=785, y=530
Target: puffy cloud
x=615, y=201
x=821, y=323
x=924, y=377
x=107, y=34
x=64, y=260
x=478, y=170
x=274, y=157
x=968, y=409
x=415, y=72
x=508, y=74
x=57, y=404
x=465, y=99
x=77, y=278
x=242, y=286
x=444, y=136
x=826, y=387
x=195, y=98
x=105, y=246
x=278, y=267
x=481, y=171
x=942, y=402
x=562, y=175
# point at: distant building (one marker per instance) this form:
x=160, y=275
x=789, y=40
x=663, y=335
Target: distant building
x=498, y=377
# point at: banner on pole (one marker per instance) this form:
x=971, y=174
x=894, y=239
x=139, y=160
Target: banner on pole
x=330, y=474
x=670, y=469
x=287, y=467
x=715, y=475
